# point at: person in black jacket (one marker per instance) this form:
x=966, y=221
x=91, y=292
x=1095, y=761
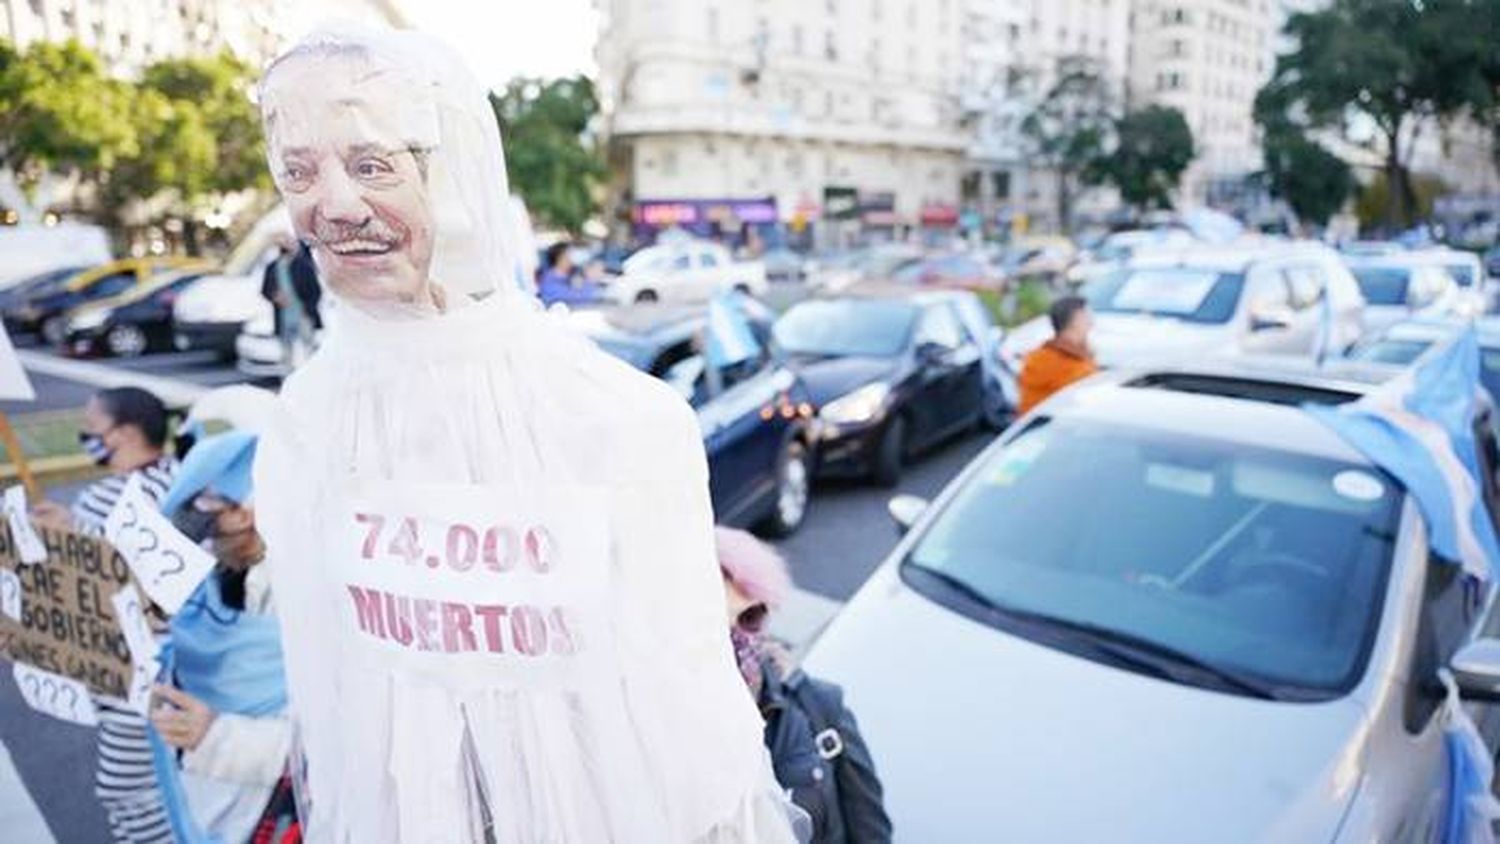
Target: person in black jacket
x=291, y=285
x=815, y=745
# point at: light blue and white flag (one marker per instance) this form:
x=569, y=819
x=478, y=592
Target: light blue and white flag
x=730, y=339
x=1419, y=428
x=1324, y=343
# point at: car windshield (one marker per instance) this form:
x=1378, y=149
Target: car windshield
x=845, y=327
x=1246, y=562
x=1489, y=372
x=1192, y=295
x=1383, y=285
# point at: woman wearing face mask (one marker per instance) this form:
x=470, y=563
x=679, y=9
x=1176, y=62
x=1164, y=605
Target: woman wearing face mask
x=125, y=431
x=816, y=748
x=222, y=737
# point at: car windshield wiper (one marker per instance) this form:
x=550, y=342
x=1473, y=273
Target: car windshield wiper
x=1154, y=657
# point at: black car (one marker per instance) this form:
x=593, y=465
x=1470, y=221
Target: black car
x=756, y=416
x=889, y=375
x=133, y=323
x=15, y=301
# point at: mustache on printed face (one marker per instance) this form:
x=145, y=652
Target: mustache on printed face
x=372, y=237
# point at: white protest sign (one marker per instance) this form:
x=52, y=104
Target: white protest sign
x=475, y=585
x=168, y=565
x=55, y=695
x=132, y=619
x=29, y=546
x=14, y=383
x=142, y=677
x=10, y=594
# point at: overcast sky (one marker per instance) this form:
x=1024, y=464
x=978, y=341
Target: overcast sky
x=502, y=39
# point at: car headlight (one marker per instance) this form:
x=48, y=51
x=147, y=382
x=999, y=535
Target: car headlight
x=862, y=405
x=88, y=320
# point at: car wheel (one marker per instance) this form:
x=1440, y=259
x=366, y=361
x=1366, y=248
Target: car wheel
x=645, y=297
x=126, y=341
x=54, y=330
x=890, y=454
x=793, y=489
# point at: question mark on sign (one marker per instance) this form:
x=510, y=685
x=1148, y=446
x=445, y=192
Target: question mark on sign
x=50, y=685
x=36, y=687
x=72, y=698
x=166, y=572
x=10, y=594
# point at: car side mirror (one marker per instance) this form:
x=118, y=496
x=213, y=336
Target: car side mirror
x=931, y=353
x=1270, y=317
x=906, y=510
x=1476, y=670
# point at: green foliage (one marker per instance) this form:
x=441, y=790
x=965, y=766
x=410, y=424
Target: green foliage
x=550, y=161
x=1070, y=127
x=1152, y=148
x=59, y=113
x=1392, y=64
x=1313, y=181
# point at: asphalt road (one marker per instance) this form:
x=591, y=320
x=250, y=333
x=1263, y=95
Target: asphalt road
x=846, y=535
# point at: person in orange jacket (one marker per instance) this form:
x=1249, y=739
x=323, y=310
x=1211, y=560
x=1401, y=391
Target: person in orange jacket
x=1063, y=359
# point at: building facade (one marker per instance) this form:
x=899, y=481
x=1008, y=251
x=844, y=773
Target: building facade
x=834, y=115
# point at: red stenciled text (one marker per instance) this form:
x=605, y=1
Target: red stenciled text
x=450, y=627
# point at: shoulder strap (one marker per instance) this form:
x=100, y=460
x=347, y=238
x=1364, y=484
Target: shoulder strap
x=825, y=732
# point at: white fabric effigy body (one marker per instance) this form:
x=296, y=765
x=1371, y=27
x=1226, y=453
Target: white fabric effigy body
x=665, y=747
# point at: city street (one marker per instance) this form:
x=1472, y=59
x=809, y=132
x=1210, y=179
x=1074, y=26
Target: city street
x=846, y=535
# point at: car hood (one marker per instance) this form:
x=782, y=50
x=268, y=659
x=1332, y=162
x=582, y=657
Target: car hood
x=829, y=378
x=1126, y=339
x=973, y=729
x=220, y=298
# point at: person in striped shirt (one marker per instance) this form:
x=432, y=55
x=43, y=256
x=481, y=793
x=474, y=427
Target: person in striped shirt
x=125, y=431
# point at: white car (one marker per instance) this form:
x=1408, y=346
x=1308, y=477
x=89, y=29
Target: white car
x=1117, y=249
x=1189, y=303
x=687, y=271
x=211, y=313
x=1167, y=607
x=1476, y=289
x=1406, y=285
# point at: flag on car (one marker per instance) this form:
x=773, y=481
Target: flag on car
x=730, y=339
x=1324, y=342
x=1420, y=428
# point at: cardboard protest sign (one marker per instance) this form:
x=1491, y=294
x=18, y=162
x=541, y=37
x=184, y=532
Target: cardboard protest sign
x=463, y=584
x=67, y=626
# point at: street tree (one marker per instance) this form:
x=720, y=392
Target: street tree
x=1299, y=170
x=550, y=158
x=1151, y=149
x=60, y=116
x=1069, y=127
x=1397, y=66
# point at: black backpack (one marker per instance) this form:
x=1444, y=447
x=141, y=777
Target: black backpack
x=821, y=758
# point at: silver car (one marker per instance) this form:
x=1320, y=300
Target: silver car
x=1167, y=606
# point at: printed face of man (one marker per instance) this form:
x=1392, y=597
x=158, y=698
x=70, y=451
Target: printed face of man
x=351, y=178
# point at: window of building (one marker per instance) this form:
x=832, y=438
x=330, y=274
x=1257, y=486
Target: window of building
x=669, y=162
x=832, y=6
x=797, y=39
x=713, y=24
x=830, y=46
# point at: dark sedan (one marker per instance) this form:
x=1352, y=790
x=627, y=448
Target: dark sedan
x=756, y=416
x=131, y=324
x=889, y=376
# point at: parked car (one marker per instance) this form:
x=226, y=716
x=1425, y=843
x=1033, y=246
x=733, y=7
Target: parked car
x=1188, y=303
x=1116, y=249
x=1404, y=285
x=1404, y=342
x=1176, y=596
x=889, y=374
x=957, y=271
x=211, y=314
x=785, y=265
x=685, y=271
x=1044, y=257
x=133, y=323
x=46, y=310
x=1476, y=291
x=46, y=283
x=1492, y=262
x=756, y=417
x=840, y=270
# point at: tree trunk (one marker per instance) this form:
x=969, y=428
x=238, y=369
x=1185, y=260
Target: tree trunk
x=190, y=236
x=1064, y=202
x=1401, y=203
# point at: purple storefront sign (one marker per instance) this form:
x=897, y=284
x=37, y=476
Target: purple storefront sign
x=703, y=217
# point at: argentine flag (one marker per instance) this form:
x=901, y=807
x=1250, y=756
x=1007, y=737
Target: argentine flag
x=730, y=339
x=1419, y=428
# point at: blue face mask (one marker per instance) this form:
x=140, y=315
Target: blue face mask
x=93, y=445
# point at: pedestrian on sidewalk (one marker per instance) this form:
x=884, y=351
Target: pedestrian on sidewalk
x=1064, y=359
x=291, y=285
x=221, y=736
x=125, y=431
x=815, y=744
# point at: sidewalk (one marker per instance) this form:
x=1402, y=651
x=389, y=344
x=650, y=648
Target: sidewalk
x=19, y=816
